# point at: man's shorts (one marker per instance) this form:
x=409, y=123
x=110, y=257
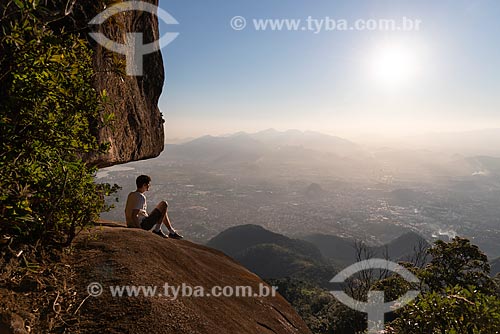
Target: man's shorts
x=154, y=218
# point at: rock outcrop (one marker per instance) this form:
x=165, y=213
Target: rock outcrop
x=118, y=256
x=137, y=130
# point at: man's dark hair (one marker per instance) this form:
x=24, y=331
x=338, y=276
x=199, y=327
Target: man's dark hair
x=142, y=180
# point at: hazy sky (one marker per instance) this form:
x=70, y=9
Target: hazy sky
x=444, y=77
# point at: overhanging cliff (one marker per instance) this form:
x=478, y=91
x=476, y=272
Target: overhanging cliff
x=137, y=130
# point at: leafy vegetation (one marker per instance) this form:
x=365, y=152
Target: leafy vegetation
x=458, y=295
x=319, y=309
x=455, y=310
x=48, y=106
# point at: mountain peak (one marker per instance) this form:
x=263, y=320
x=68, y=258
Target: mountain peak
x=267, y=131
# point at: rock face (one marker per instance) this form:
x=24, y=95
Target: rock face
x=117, y=256
x=137, y=130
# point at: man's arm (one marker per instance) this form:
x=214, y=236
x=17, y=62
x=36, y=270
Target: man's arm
x=135, y=217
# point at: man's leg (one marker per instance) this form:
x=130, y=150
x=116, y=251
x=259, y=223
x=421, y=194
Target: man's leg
x=163, y=207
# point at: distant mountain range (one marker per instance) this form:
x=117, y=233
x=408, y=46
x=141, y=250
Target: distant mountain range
x=210, y=149
x=249, y=147
x=305, y=139
x=269, y=149
x=466, y=143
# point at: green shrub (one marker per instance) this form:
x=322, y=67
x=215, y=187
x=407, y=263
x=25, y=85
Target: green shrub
x=48, y=106
x=457, y=293
x=456, y=310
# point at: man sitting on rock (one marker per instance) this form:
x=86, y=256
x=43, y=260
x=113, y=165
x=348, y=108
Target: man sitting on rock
x=137, y=216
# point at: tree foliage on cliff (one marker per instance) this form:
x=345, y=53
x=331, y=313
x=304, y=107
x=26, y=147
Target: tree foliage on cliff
x=47, y=107
x=319, y=309
x=458, y=295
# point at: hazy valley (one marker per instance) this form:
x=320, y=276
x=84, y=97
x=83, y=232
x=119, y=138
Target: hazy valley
x=300, y=183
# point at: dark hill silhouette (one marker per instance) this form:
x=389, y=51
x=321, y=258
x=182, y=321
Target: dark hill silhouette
x=273, y=261
x=403, y=247
x=269, y=254
x=341, y=251
x=314, y=190
x=272, y=255
x=315, y=259
x=237, y=239
x=121, y=256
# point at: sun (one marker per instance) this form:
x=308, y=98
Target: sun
x=394, y=64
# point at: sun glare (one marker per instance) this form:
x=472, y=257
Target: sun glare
x=393, y=65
